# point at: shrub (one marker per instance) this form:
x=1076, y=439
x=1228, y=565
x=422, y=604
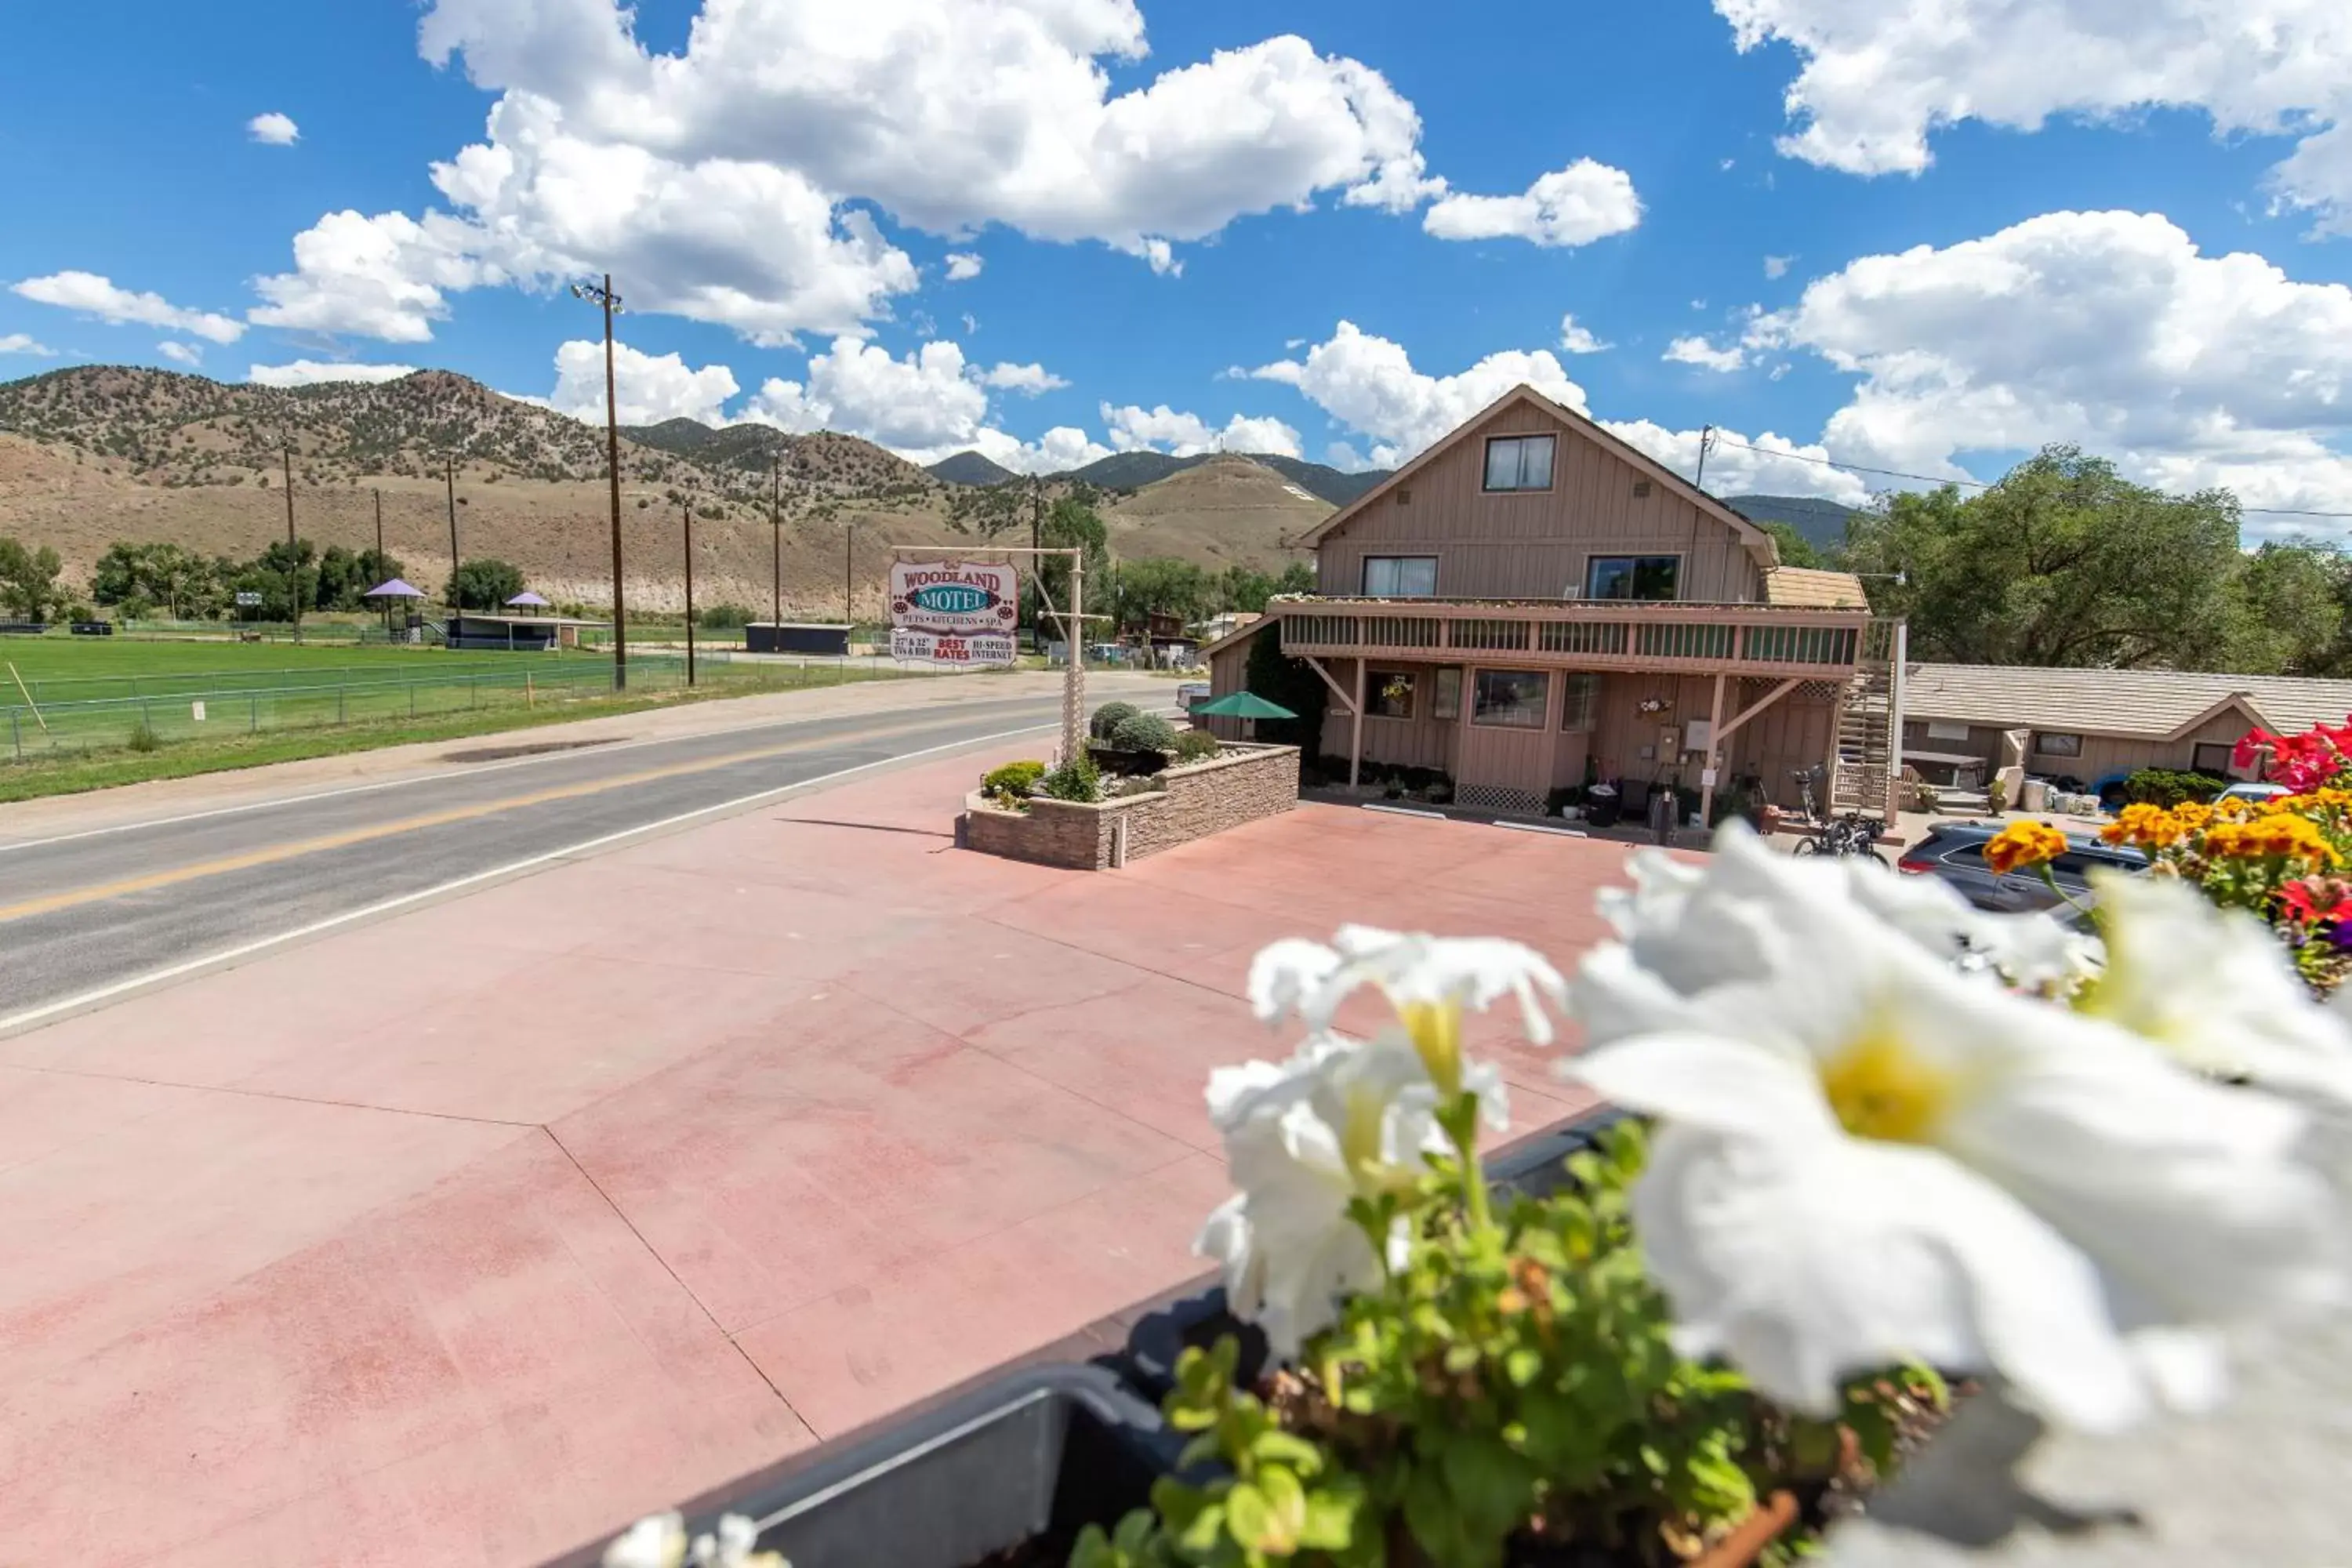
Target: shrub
x=1108, y=716
x=143, y=738
x=1143, y=732
x=1196, y=745
x=2165, y=789
x=1012, y=783
x=1078, y=779
x=724, y=617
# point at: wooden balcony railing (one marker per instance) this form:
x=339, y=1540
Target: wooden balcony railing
x=1745, y=639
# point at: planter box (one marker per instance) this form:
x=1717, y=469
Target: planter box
x=1032, y=1454
x=1243, y=784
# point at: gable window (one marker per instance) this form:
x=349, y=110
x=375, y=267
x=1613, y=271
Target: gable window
x=1512, y=698
x=2049, y=745
x=1579, y=701
x=1518, y=462
x=1400, y=577
x=1390, y=693
x=1632, y=577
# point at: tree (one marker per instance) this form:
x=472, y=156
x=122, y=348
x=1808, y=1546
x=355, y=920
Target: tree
x=1072, y=525
x=1289, y=683
x=2062, y=562
x=1246, y=589
x=2289, y=611
x=285, y=576
x=484, y=585
x=1160, y=586
x=989, y=510
x=1796, y=549
x=28, y=582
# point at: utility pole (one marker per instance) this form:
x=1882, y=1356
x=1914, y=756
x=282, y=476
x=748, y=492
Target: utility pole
x=848, y=549
x=776, y=522
x=1705, y=440
x=611, y=303
x=1036, y=526
x=686, y=511
x=379, y=530
x=293, y=560
x=449, y=472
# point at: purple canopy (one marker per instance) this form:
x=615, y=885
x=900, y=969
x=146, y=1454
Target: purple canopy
x=527, y=598
x=396, y=589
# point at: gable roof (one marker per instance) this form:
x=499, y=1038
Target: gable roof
x=2152, y=704
x=1760, y=543
x=1812, y=589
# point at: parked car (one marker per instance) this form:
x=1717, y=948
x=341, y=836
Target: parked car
x=2247, y=790
x=1190, y=692
x=1955, y=852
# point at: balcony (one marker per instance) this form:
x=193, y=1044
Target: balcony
x=1672, y=637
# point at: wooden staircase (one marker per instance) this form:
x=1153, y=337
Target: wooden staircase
x=1868, y=769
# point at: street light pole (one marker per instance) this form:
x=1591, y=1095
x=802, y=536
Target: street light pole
x=686, y=511
x=611, y=303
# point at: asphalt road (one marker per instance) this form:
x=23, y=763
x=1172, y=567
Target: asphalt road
x=83, y=912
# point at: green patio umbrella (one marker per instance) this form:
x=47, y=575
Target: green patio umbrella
x=1245, y=705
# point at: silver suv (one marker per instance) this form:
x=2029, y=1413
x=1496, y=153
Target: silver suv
x=1955, y=852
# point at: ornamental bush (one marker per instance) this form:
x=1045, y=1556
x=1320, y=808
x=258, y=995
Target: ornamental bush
x=1078, y=779
x=1012, y=783
x=2164, y=787
x=1143, y=732
x=1108, y=716
x=1196, y=745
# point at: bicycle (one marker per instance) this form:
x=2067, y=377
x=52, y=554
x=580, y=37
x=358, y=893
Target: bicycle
x=1852, y=836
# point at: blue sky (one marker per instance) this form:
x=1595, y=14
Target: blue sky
x=2163, y=279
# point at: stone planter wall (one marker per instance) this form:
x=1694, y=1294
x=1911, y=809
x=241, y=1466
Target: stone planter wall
x=1244, y=784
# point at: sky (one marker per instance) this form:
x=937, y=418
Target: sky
x=1924, y=237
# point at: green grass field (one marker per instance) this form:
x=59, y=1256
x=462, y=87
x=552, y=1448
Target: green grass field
x=75, y=669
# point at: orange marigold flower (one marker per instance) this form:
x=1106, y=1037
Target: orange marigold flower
x=2151, y=825
x=2285, y=805
x=2023, y=844
x=2271, y=838
x=2193, y=814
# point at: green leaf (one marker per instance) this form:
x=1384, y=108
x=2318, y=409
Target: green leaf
x=1330, y=1520
x=1522, y=1365
x=1286, y=1510
x=1199, y=1537
x=1275, y=1447
x=1248, y=1515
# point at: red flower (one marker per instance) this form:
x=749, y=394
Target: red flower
x=2302, y=762
x=2314, y=901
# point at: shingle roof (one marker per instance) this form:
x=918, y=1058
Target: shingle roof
x=2160, y=703
x=1814, y=590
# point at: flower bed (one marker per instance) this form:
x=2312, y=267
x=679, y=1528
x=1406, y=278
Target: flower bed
x=1242, y=784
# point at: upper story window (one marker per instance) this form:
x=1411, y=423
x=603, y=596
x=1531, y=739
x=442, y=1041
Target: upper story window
x=1518, y=462
x=1632, y=577
x=1400, y=577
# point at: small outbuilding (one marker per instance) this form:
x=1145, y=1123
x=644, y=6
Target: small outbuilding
x=483, y=630
x=829, y=639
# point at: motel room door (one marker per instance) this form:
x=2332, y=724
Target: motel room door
x=1510, y=723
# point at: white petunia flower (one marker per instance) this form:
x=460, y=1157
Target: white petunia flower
x=2213, y=987
x=656, y=1541
x=1303, y=1141
x=1869, y=1155
x=1428, y=980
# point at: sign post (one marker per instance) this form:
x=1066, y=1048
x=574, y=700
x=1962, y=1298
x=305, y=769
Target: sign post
x=962, y=614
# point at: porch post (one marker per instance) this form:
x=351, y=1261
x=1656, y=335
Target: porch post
x=1356, y=741
x=1714, y=761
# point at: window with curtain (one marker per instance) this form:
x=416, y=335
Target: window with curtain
x=1518, y=462
x=1511, y=699
x=1400, y=577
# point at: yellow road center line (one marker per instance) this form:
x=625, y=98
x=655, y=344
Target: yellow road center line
x=51, y=903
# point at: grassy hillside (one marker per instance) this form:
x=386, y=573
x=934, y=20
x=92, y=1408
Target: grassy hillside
x=1822, y=524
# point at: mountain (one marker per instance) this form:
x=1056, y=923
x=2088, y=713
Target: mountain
x=1820, y=522
x=970, y=469
x=96, y=453
x=1216, y=510
x=1133, y=470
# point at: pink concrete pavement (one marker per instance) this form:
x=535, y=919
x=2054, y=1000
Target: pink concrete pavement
x=464, y=1236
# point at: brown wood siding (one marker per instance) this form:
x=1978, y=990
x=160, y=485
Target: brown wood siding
x=1228, y=673
x=1535, y=544
x=2102, y=754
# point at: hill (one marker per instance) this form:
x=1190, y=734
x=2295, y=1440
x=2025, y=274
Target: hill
x=1133, y=470
x=970, y=469
x=1820, y=522
x=96, y=453
x=1216, y=510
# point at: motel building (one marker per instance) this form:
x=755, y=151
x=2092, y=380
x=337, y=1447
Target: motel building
x=1531, y=603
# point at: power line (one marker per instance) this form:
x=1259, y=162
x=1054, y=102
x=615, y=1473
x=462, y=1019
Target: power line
x=1720, y=440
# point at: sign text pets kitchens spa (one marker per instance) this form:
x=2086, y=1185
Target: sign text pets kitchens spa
x=948, y=612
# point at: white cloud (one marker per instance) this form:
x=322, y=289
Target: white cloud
x=963, y=266
x=382, y=277
x=1165, y=429
x=181, y=353
x=1575, y=206
x=95, y=296
x=1368, y=384
x=24, y=343
x=2111, y=329
x=647, y=388
x=1574, y=338
x=1877, y=78
x=1704, y=354
x=1060, y=449
x=273, y=130
x=1783, y=468
x=310, y=373
x=1776, y=266
x=1031, y=379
